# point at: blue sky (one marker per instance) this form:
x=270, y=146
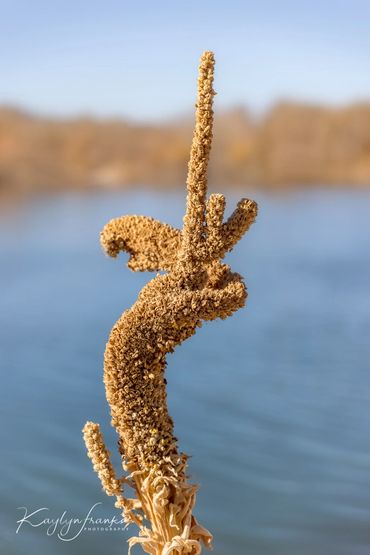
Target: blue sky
x=138, y=59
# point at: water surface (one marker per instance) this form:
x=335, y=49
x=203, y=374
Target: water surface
x=272, y=404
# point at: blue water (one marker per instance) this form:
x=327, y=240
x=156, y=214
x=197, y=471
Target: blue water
x=273, y=404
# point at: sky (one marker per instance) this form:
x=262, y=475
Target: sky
x=138, y=59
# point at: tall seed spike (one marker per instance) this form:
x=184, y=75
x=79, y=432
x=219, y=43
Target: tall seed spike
x=194, y=219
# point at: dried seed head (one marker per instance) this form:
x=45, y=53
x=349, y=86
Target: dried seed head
x=169, y=309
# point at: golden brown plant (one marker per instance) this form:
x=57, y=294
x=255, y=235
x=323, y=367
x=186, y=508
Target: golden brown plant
x=196, y=287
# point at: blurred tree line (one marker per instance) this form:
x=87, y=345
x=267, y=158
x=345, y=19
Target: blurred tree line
x=292, y=144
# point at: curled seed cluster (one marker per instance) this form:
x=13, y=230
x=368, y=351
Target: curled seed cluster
x=196, y=287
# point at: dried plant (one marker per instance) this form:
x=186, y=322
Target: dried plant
x=195, y=287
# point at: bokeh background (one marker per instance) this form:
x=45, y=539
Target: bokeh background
x=96, y=115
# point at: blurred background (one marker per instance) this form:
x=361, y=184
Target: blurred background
x=96, y=116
